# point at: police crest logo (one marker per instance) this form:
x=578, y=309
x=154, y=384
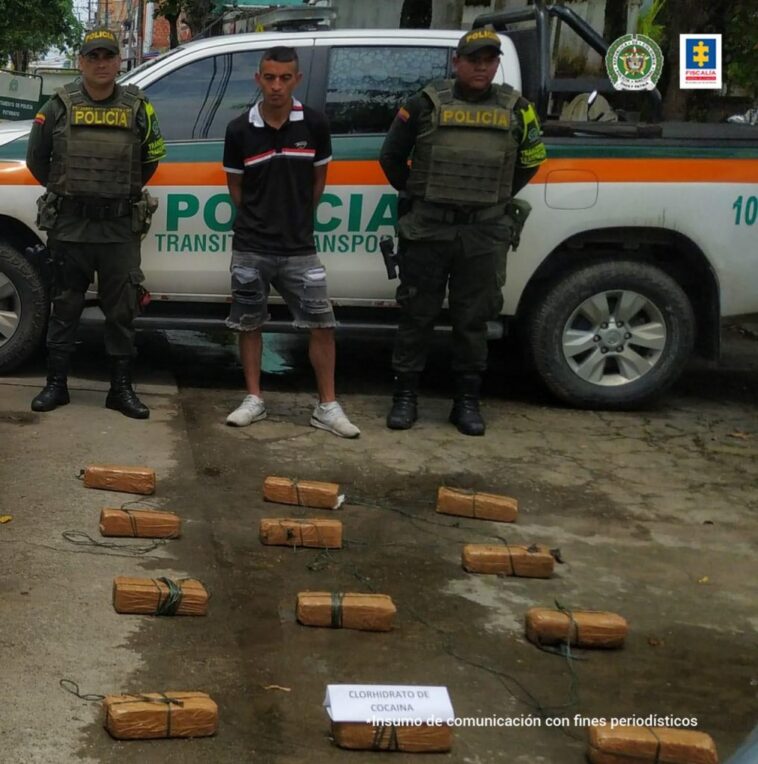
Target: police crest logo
x=634, y=62
x=700, y=61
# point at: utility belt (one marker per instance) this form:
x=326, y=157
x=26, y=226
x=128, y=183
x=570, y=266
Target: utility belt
x=96, y=209
x=459, y=215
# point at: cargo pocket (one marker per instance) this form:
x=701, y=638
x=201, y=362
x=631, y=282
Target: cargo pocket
x=314, y=297
x=47, y=211
x=247, y=298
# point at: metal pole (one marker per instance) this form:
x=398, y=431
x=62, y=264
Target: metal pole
x=129, y=36
x=140, y=29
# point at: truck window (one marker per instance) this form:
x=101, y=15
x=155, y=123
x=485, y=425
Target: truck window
x=367, y=84
x=197, y=101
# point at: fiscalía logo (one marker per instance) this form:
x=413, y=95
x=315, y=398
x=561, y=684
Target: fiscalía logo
x=634, y=62
x=700, y=61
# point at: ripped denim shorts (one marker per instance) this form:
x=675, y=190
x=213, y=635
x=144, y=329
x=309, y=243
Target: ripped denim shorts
x=299, y=279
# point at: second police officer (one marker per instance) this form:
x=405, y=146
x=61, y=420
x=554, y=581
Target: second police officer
x=473, y=145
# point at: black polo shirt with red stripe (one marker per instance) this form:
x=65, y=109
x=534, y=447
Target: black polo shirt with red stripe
x=277, y=165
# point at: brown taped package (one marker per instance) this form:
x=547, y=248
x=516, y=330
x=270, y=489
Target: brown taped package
x=367, y=612
x=481, y=506
x=591, y=628
x=641, y=745
x=304, y=493
x=527, y=562
x=316, y=532
x=140, y=523
x=359, y=736
x=146, y=596
x=113, y=477
x=160, y=715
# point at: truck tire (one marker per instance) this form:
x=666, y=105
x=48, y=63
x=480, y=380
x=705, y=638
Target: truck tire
x=24, y=308
x=611, y=335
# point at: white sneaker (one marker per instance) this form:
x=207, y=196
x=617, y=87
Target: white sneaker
x=331, y=417
x=252, y=409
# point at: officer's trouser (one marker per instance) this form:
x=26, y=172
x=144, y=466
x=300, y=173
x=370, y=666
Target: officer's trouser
x=427, y=269
x=118, y=276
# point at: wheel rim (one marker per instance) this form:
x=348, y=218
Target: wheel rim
x=10, y=309
x=614, y=338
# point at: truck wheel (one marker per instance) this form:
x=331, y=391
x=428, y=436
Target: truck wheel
x=611, y=335
x=24, y=308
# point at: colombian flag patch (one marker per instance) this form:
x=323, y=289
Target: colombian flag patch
x=40, y=119
x=403, y=114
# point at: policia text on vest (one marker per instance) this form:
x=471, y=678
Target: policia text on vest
x=95, y=116
x=473, y=117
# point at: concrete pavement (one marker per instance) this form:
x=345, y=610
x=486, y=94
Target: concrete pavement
x=654, y=513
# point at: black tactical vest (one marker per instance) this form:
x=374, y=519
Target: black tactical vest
x=98, y=155
x=465, y=152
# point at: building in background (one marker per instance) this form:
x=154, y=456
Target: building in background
x=569, y=53
x=121, y=16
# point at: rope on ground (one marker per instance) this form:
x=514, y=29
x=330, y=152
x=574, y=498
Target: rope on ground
x=470, y=530
x=69, y=685
x=80, y=538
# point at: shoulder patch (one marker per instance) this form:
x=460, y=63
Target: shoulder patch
x=135, y=91
x=403, y=114
x=39, y=119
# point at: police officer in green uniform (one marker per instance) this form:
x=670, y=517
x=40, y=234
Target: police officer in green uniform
x=94, y=145
x=473, y=145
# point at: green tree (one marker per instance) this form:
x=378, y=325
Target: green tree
x=737, y=21
x=740, y=42
x=29, y=28
x=198, y=15
x=648, y=22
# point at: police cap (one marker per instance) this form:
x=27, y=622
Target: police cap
x=99, y=38
x=476, y=40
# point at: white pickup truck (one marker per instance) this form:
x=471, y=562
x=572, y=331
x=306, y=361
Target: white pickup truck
x=642, y=238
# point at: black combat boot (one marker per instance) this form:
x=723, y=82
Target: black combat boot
x=121, y=396
x=55, y=392
x=403, y=412
x=465, y=412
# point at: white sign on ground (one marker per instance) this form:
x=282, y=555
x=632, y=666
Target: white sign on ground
x=382, y=703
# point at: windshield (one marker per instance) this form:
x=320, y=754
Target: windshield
x=126, y=76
